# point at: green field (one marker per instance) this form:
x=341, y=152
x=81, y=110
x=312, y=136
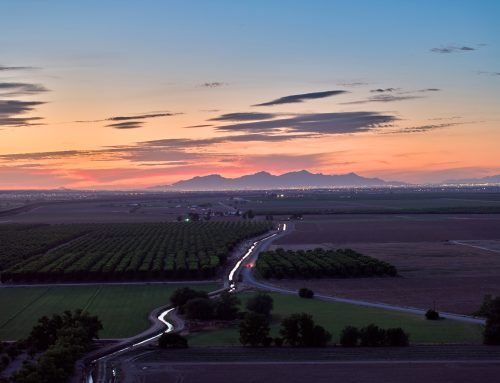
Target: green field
x=123, y=309
x=334, y=316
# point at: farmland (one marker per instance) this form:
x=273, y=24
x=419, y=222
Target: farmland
x=436, y=263
x=138, y=251
x=123, y=309
x=320, y=263
x=335, y=316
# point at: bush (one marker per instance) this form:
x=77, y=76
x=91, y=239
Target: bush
x=172, y=340
x=396, y=337
x=254, y=329
x=199, y=308
x=432, y=315
x=278, y=342
x=304, y=292
x=372, y=336
x=260, y=304
x=349, y=336
x=180, y=297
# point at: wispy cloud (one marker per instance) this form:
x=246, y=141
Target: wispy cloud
x=132, y=119
x=422, y=128
x=382, y=98
x=11, y=89
x=452, y=49
x=14, y=68
x=488, y=73
x=214, y=84
x=296, y=98
x=140, y=116
x=384, y=90
x=246, y=116
x=12, y=113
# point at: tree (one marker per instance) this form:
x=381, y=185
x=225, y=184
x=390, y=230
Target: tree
x=254, y=329
x=304, y=292
x=182, y=295
x=199, y=308
x=396, y=337
x=432, y=315
x=372, y=336
x=226, y=306
x=349, y=336
x=172, y=340
x=299, y=330
x=260, y=304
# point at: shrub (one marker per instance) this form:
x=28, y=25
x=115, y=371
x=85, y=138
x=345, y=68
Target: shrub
x=304, y=292
x=372, y=336
x=199, y=308
x=396, y=337
x=182, y=295
x=349, y=336
x=278, y=342
x=260, y=304
x=172, y=340
x=432, y=315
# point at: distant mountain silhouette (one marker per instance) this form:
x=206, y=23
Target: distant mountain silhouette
x=491, y=180
x=265, y=180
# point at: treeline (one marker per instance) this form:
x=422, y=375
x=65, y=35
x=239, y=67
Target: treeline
x=60, y=341
x=130, y=251
x=319, y=263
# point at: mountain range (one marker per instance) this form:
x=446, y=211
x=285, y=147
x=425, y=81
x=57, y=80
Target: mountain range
x=264, y=180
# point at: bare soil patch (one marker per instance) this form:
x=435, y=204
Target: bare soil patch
x=394, y=228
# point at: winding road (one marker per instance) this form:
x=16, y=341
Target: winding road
x=239, y=277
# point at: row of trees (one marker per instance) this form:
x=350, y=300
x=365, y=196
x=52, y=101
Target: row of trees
x=62, y=340
x=139, y=251
x=320, y=263
x=373, y=336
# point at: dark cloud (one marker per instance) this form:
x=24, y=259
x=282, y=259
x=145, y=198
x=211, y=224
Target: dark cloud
x=12, y=111
x=296, y=98
x=126, y=125
x=452, y=49
x=316, y=123
x=382, y=98
x=6, y=68
x=214, y=84
x=248, y=116
x=9, y=89
x=384, y=90
x=140, y=116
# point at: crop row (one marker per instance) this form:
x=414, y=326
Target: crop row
x=139, y=251
x=320, y=263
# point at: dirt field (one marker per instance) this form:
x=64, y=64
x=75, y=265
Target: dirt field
x=452, y=277
x=393, y=228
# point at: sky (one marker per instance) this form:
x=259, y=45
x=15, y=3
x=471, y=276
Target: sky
x=132, y=94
